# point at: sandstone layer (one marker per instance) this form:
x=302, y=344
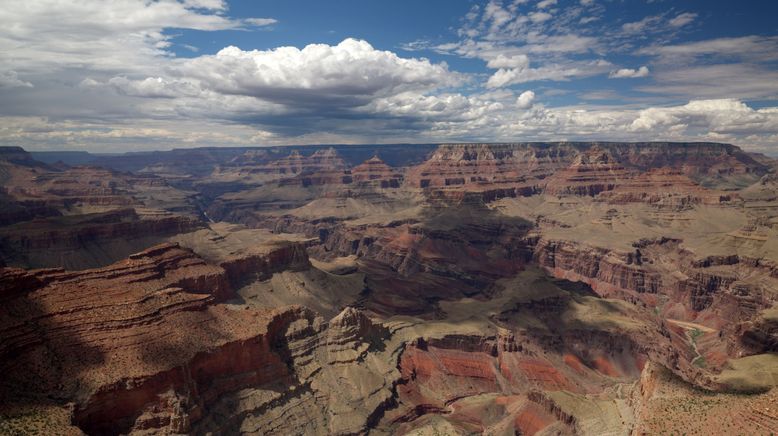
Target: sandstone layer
x=523, y=288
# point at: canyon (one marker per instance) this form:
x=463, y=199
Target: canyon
x=517, y=288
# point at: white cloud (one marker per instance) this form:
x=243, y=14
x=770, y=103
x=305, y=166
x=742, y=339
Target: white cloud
x=216, y=5
x=352, y=71
x=720, y=116
x=121, y=35
x=682, y=19
x=642, y=25
x=503, y=61
x=546, y=3
x=556, y=72
x=110, y=80
x=495, y=13
x=438, y=108
x=716, y=81
x=716, y=68
x=525, y=100
x=750, y=48
x=539, y=17
x=483, y=117
x=629, y=73
x=261, y=21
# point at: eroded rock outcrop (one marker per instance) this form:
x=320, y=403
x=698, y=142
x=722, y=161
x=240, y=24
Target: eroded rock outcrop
x=592, y=172
x=374, y=172
x=89, y=240
x=143, y=346
x=439, y=321
x=664, y=187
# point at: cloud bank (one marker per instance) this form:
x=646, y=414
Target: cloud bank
x=103, y=76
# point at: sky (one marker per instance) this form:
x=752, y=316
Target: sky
x=133, y=75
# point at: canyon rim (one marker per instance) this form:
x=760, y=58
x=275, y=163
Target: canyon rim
x=458, y=217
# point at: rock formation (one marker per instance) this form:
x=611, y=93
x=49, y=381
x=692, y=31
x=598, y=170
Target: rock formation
x=592, y=172
x=375, y=172
x=523, y=288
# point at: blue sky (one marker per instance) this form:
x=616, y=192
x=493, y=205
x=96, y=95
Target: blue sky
x=134, y=74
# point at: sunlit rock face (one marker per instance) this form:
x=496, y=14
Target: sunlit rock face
x=522, y=288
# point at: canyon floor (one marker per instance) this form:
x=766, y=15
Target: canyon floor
x=524, y=288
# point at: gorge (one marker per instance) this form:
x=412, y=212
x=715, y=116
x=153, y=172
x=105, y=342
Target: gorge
x=513, y=288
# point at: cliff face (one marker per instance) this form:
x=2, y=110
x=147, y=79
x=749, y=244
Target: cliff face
x=602, y=269
x=592, y=172
x=694, y=159
x=665, y=187
x=256, y=167
x=88, y=240
x=249, y=267
x=524, y=169
x=491, y=288
x=374, y=172
x=451, y=254
x=142, y=345
x=639, y=275
x=81, y=217
x=486, y=167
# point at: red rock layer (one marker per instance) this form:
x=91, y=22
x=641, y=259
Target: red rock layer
x=115, y=224
x=85, y=185
x=403, y=258
x=485, y=167
x=521, y=168
x=693, y=159
x=664, y=186
x=139, y=344
x=439, y=375
x=322, y=167
x=592, y=172
x=605, y=270
x=709, y=290
x=375, y=172
x=67, y=241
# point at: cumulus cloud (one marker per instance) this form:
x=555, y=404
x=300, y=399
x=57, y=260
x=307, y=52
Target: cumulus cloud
x=121, y=35
x=525, y=100
x=453, y=117
x=350, y=73
x=720, y=116
x=436, y=108
x=110, y=80
x=10, y=79
x=629, y=73
x=555, y=72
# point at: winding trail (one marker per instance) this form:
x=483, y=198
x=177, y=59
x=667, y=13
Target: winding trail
x=689, y=329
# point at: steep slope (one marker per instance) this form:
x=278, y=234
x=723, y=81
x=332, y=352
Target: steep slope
x=525, y=288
